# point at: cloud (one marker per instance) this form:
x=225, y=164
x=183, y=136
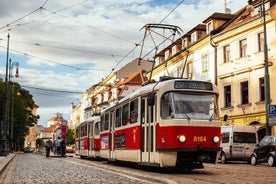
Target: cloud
x=71, y=45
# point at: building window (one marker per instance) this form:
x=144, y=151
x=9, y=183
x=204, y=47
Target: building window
x=184, y=43
x=244, y=93
x=243, y=47
x=194, y=37
x=204, y=63
x=189, y=70
x=179, y=71
x=227, y=96
x=262, y=89
x=209, y=27
x=167, y=54
x=226, y=53
x=261, y=42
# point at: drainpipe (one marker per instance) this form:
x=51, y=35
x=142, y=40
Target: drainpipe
x=216, y=60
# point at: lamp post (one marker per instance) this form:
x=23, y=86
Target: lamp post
x=266, y=76
x=266, y=71
x=11, y=99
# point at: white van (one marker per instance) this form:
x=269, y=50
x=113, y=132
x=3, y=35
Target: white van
x=238, y=143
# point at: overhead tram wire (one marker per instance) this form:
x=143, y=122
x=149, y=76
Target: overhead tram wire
x=51, y=61
x=7, y=25
x=40, y=18
x=142, y=39
x=54, y=12
x=89, y=26
x=52, y=90
x=92, y=27
x=118, y=62
x=72, y=49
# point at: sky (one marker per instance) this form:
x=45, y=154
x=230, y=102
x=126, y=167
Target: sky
x=65, y=47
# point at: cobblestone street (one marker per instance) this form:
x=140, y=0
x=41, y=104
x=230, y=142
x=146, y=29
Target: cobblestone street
x=33, y=168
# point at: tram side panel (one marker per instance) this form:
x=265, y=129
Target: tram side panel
x=77, y=146
x=94, y=147
x=127, y=144
x=84, y=146
x=105, y=144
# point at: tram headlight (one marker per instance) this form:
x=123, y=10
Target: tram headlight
x=216, y=139
x=181, y=138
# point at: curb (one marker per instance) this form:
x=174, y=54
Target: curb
x=4, y=161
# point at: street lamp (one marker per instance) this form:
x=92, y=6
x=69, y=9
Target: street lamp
x=12, y=64
x=266, y=75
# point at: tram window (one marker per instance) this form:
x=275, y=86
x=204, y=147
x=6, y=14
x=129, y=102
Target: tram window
x=133, y=111
x=102, y=123
x=125, y=114
x=78, y=132
x=83, y=131
x=166, y=106
x=143, y=109
x=118, y=117
x=106, y=121
x=89, y=130
x=97, y=128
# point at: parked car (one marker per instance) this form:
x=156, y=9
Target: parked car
x=69, y=149
x=28, y=150
x=265, y=151
x=238, y=143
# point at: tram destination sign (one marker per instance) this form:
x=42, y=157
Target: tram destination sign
x=200, y=85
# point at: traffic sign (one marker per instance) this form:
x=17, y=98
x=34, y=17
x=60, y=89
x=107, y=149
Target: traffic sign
x=272, y=110
x=272, y=121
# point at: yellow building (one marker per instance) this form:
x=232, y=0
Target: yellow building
x=30, y=139
x=240, y=58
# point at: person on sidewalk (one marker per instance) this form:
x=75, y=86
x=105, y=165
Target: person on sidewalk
x=58, y=145
x=48, y=147
x=63, y=147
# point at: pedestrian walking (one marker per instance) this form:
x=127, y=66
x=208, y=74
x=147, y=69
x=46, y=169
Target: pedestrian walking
x=48, y=147
x=58, y=145
x=63, y=147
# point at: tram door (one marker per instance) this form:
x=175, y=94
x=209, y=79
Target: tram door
x=147, y=133
x=112, y=143
x=90, y=141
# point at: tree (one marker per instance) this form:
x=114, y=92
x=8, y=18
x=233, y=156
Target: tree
x=70, y=136
x=39, y=142
x=22, y=103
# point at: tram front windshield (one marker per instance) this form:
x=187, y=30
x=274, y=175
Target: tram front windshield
x=179, y=105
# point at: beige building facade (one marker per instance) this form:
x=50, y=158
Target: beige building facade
x=240, y=51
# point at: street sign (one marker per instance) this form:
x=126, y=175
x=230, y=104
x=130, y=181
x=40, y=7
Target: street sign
x=272, y=110
x=272, y=121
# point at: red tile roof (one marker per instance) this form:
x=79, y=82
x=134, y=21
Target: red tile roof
x=52, y=128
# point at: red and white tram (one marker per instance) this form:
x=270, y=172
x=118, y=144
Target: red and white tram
x=171, y=123
x=87, y=142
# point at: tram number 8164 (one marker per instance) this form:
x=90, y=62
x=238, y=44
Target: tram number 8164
x=199, y=139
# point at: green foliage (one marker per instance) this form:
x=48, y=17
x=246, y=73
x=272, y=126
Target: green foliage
x=70, y=136
x=22, y=102
x=39, y=142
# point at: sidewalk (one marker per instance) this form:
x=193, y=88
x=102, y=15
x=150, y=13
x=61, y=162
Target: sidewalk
x=4, y=161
